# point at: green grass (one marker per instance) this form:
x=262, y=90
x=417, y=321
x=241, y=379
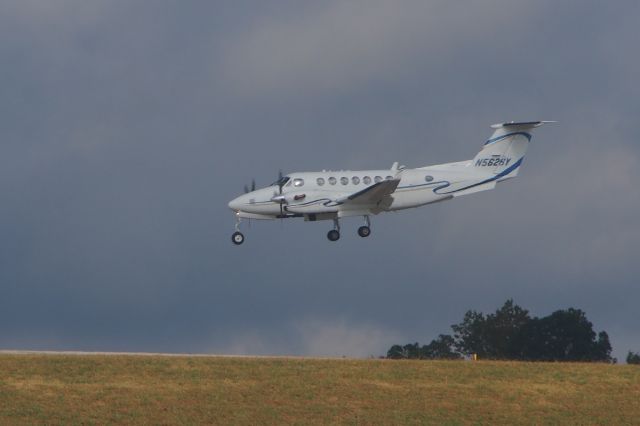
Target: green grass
x=97, y=389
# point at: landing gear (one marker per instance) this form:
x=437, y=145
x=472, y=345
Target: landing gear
x=365, y=231
x=334, y=234
x=237, y=238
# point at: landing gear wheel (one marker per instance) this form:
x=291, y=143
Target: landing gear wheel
x=333, y=235
x=237, y=238
x=364, y=231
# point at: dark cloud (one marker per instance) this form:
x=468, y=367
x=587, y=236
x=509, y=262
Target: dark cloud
x=127, y=128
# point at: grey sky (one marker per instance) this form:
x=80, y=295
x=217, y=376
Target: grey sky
x=127, y=127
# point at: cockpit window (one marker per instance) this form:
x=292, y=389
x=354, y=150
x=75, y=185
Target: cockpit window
x=298, y=182
x=282, y=181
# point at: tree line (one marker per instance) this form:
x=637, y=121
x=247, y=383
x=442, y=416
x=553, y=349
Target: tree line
x=512, y=334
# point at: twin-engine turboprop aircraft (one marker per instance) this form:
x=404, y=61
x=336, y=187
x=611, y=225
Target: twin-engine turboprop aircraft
x=330, y=195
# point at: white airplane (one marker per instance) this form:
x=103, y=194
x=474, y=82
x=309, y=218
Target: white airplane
x=332, y=195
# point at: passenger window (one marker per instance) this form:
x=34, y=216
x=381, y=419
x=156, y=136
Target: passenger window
x=355, y=180
x=387, y=178
x=344, y=180
x=378, y=179
x=366, y=180
x=298, y=182
x=320, y=181
x=332, y=180
x=428, y=178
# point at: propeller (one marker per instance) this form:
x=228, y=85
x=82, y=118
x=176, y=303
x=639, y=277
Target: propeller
x=253, y=186
x=278, y=195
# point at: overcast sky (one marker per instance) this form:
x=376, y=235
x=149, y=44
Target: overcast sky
x=127, y=126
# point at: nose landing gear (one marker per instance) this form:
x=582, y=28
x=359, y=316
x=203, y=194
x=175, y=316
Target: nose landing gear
x=237, y=237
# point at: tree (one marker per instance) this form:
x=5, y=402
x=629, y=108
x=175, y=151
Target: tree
x=510, y=333
x=633, y=358
x=505, y=331
x=409, y=351
x=565, y=335
x=441, y=348
x=396, y=352
x=470, y=334
x=496, y=336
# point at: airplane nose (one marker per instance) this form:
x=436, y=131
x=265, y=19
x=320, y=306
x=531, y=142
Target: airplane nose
x=235, y=204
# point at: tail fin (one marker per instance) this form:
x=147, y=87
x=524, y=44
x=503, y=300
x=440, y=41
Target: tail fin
x=503, y=152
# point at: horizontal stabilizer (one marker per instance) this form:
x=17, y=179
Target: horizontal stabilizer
x=529, y=124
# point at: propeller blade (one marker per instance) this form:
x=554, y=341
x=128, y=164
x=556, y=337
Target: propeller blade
x=280, y=185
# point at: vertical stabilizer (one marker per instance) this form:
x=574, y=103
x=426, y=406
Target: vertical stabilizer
x=503, y=153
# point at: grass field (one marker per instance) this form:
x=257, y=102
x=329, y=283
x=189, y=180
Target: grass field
x=129, y=389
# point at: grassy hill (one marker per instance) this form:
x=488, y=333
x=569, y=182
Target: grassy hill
x=125, y=389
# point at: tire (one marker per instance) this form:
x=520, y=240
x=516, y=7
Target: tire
x=333, y=235
x=364, y=231
x=237, y=238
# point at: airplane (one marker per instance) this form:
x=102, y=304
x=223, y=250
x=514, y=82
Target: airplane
x=333, y=195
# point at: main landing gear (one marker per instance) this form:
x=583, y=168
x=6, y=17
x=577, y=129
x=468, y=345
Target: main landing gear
x=334, y=234
x=363, y=231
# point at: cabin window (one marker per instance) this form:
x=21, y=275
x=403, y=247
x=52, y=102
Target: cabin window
x=332, y=180
x=428, y=178
x=344, y=180
x=298, y=182
x=320, y=181
x=355, y=180
x=387, y=178
x=378, y=179
x=366, y=180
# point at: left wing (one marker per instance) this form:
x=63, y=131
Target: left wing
x=373, y=194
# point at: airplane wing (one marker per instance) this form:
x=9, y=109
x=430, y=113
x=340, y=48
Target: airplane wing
x=372, y=194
